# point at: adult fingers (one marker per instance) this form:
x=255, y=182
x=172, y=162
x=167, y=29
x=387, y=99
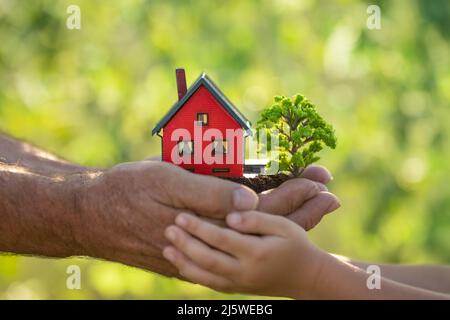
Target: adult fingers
x=288, y=196
x=317, y=173
x=312, y=211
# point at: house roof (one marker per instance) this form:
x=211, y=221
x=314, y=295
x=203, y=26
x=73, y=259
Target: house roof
x=215, y=91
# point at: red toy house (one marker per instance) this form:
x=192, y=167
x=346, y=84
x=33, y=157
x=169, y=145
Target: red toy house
x=203, y=132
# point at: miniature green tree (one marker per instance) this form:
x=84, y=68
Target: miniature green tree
x=302, y=132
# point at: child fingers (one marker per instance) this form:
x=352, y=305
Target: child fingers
x=190, y=271
x=255, y=222
x=200, y=253
x=223, y=239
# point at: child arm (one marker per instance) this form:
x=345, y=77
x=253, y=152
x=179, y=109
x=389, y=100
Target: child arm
x=269, y=255
x=430, y=277
x=254, y=260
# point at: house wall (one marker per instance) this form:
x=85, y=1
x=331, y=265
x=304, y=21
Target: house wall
x=202, y=101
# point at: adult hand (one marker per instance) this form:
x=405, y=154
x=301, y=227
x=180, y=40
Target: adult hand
x=125, y=210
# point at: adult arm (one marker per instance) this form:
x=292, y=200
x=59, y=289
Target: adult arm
x=23, y=154
x=37, y=213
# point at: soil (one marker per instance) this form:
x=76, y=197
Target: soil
x=262, y=182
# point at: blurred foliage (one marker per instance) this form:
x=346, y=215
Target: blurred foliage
x=92, y=95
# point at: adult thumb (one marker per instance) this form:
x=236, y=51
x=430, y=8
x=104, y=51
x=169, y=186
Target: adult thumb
x=211, y=196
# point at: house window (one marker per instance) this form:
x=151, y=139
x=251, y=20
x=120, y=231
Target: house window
x=202, y=119
x=220, y=147
x=185, y=147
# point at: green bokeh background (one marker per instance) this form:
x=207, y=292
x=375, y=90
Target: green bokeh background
x=93, y=95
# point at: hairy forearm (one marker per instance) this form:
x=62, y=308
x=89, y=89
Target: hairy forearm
x=431, y=277
x=80, y=214
x=53, y=208
x=20, y=153
x=342, y=280
x=37, y=213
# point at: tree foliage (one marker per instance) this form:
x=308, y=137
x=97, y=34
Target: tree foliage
x=301, y=130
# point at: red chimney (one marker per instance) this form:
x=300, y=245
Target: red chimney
x=181, y=83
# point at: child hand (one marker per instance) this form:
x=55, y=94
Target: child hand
x=264, y=254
